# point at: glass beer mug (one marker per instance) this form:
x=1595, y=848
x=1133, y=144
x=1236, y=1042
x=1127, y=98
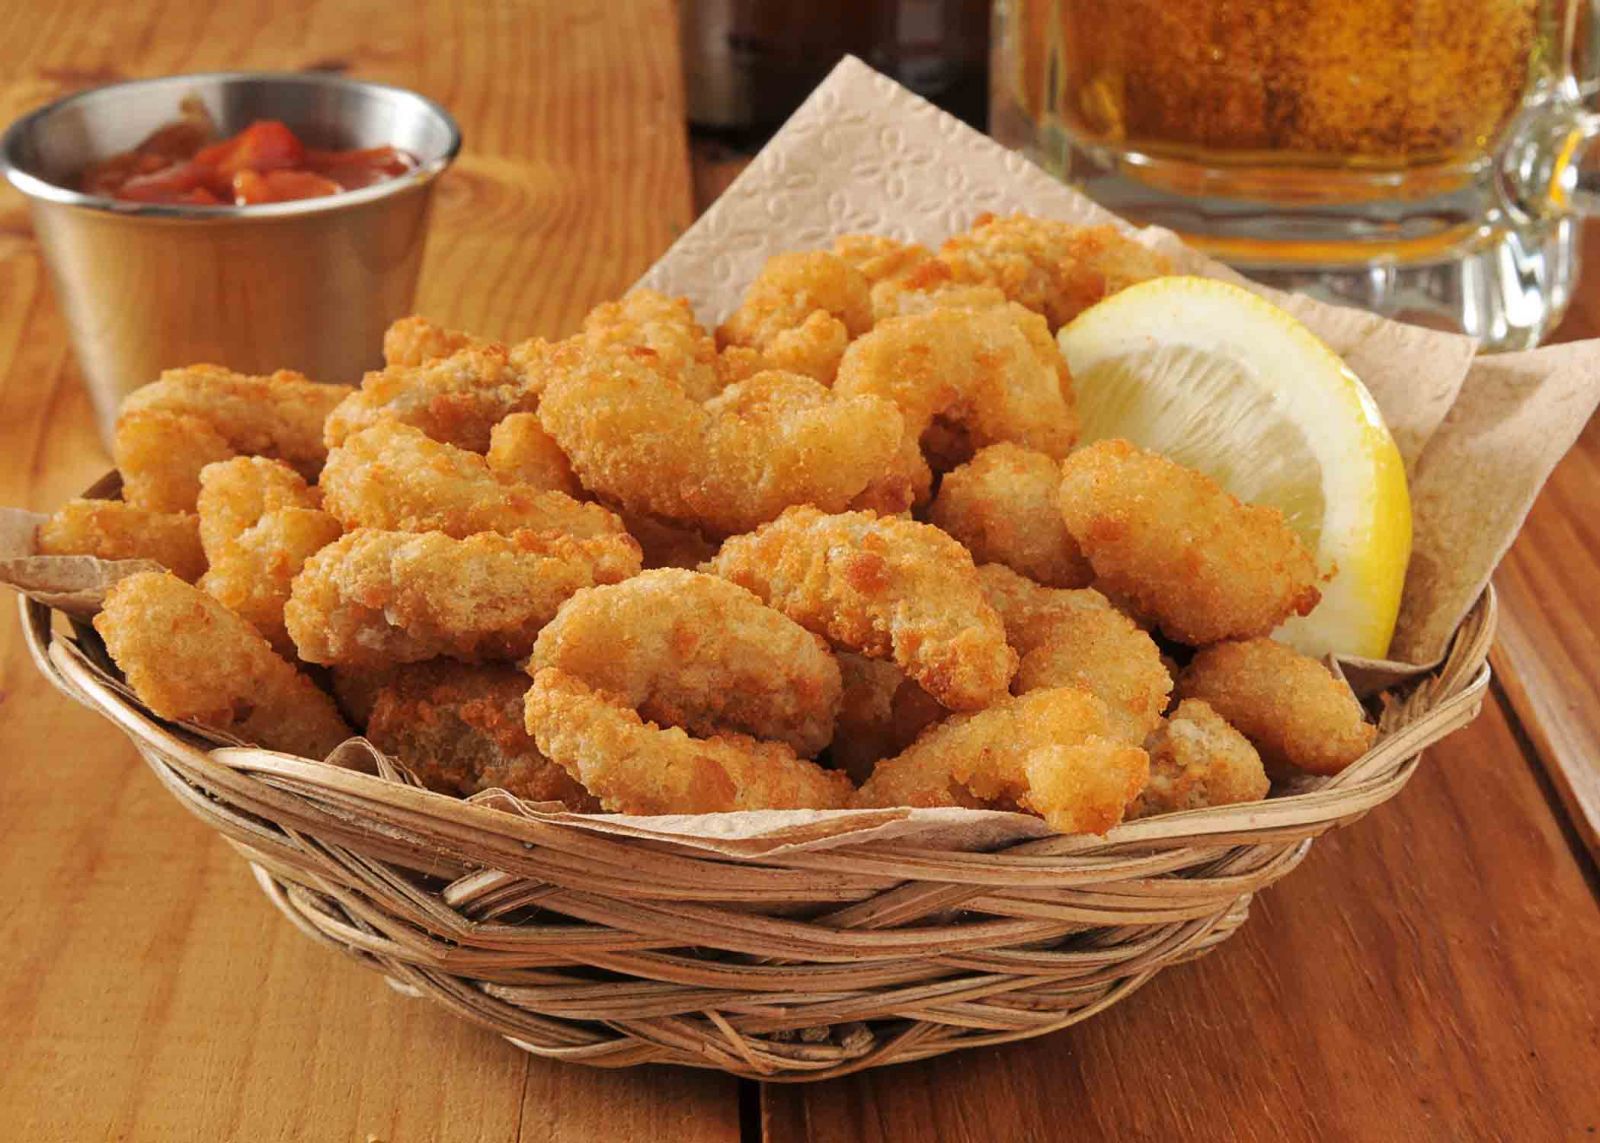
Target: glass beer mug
x=1420, y=158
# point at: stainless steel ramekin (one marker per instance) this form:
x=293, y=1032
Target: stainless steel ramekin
x=306, y=285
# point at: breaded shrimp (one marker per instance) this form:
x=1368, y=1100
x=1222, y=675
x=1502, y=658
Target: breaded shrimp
x=1076, y=638
x=188, y=657
x=636, y=767
x=456, y=399
x=883, y=587
x=976, y=369
x=1056, y=753
x=112, y=530
x=374, y=597
x=410, y=341
x=1054, y=268
x=160, y=456
x=692, y=650
x=459, y=728
x=637, y=439
x=1003, y=505
x=397, y=478
x=235, y=493
x=279, y=415
x=520, y=449
x=801, y=312
x=1293, y=709
x=252, y=573
x=1197, y=759
x=1200, y=563
x=666, y=327
x=887, y=264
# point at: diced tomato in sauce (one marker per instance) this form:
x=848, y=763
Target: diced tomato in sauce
x=266, y=162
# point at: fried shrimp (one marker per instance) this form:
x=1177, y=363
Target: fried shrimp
x=883, y=587
x=279, y=415
x=1056, y=753
x=908, y=484
x=252, y=572
x=637, y=439
x=235, y=493
x=1003, y=505
x=692, y=650
x=801, y=312
x=397, y=478
x=636, y=767
x=373, y=597
x=112, y=530
x=520, y=449
x=975, y=369
x=413, y=340
x=1200, y=563
x=1054, y=268
x=160, y=456
x=188, y=657
x=888, y=265
x=1293, y=709
x=1076, y=638
x=1197, y=759
x=456, y=399
x=649, y=320
x=459, y=728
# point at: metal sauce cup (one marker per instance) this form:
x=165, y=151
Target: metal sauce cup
x=307, y=285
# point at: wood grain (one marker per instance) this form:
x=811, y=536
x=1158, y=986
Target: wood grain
x=146, y=988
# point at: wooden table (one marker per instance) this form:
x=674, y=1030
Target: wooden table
x=1428, y=972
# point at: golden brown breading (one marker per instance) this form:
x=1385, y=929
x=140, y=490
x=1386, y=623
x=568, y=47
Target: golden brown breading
x=1293, y=709
x=1075, y=637
x=884, y=587
x=112, y=530
x=252, y=573
x=395, y=477
x=666, y=327
x=188, y=657
x=456, y=399
x=637, y=439
x=279, y=415
x=637, y=767
x=413, y=340
x=373, y=597
x=1197, y=759
x=160, y=456
x=1003, y=505
x=1056, y=753
x=974, y=369
x=1200, y=563
x=692, y=650
x=355, y=689
x=459, y=728
x=1054, y=268
x=519, y=448
x=908, y=484
x=801, y=312
x=235, y=493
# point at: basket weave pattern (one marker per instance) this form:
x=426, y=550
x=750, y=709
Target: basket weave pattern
x=613, y=951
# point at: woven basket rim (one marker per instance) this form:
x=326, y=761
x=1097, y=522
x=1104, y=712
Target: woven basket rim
x=1459, y=683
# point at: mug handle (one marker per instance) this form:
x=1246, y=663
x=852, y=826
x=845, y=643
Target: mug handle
x=1549, y=168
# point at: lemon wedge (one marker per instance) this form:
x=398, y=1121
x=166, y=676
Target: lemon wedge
x=1223, y=381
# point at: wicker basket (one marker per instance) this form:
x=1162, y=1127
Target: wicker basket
x=613, y=950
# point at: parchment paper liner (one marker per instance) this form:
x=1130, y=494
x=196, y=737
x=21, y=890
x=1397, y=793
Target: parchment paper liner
x=1479, y=434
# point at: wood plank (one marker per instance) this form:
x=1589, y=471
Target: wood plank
x=148, y=991
x=1426, y=973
